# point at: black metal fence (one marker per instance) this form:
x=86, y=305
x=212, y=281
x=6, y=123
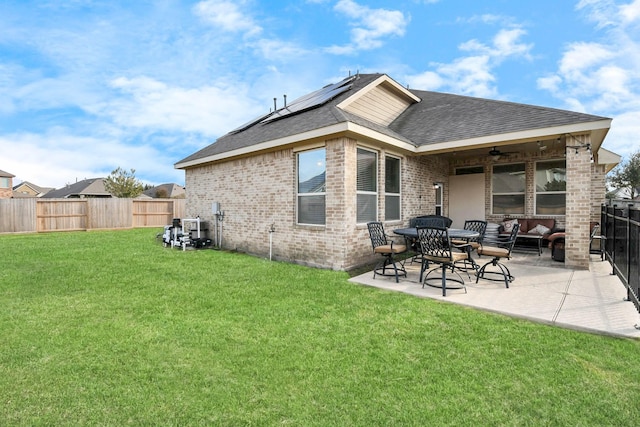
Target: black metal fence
x=621, y=227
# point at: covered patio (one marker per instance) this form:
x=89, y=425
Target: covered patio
x=543, y=291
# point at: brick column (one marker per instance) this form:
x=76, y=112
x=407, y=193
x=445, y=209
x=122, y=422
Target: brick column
x=578, y=202
x=350, y=246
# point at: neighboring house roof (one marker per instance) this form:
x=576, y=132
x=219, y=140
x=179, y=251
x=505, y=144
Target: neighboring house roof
x=93, y=187
x=171, y=191
x=421, y=121
x=4, y=174
x=28, y=189
x=623, y=193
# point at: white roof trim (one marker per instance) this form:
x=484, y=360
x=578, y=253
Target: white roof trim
x=314, y=134
x=607, y=157
x=512, y=136
x=380, y=80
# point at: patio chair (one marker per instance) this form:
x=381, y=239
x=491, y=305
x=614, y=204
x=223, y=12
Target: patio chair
x=383, y=245
x=501, y=250
x=473, y=243
x=425, y=221
x=436, y=247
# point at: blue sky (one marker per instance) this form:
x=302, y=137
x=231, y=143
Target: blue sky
x=87, y=86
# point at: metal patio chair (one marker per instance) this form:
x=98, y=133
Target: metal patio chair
x=501, y=250
x=473, y=243
x=436, y=247
x=385, y=246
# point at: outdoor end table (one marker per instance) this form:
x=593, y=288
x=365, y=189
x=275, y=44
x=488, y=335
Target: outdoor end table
x=536, y=239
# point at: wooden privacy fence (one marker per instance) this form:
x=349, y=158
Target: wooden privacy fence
x=41, y=215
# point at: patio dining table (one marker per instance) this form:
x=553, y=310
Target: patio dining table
x=454, y=233
x=411, y=233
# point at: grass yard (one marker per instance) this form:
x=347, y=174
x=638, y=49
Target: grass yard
x=111, y=329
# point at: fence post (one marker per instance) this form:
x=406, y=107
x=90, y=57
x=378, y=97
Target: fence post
x=613, y=244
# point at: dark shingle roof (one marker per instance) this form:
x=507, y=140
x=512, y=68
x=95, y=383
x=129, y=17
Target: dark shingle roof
x=322, y=116
x=93, y=187
x=454, y=117
x=170, y=190
x=439, y=117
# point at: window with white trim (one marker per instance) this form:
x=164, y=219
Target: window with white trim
x=4, y=182
x=391, y=188
x=312, y=171
x=508, y=183
x=367, y=186
x=438, y=205
x=551, y=187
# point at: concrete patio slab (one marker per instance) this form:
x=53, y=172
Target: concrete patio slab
x=543, y=291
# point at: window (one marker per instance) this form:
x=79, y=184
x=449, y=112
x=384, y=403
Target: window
x=391, y=188
x=438, y=205
x=4, y=182
x=508, y=187
x=551, y=187
x=312, y=173
x=469, y=170
x=367, y=186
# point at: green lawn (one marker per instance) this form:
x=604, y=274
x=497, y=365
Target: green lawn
x=110, y=328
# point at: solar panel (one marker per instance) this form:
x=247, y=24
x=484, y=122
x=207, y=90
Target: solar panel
x=251, y=123
x=311, y=100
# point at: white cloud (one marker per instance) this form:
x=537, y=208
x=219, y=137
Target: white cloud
x=227, y=15
x=630, y=13
x=474, y=74
x=429, y=80
x=148, y=103
x=370, y=26
x=75, y=158
x=278, y=50
x=470, y=76
x=582, y=56
x=506, y=43
x=603, y=77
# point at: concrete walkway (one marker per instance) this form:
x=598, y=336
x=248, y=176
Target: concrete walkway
x=591, y=301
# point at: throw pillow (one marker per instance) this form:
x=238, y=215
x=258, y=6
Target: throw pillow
x=542, y=229
x=539, y=229
x=534, y=230
x=507, y=226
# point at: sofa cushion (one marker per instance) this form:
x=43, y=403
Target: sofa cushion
x=539, y=229
x=527, y=224
x=507, y=225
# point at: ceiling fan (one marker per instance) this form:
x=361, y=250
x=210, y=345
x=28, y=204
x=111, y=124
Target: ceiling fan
x=496, y=154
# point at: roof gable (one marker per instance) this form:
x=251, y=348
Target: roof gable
x=381, y=102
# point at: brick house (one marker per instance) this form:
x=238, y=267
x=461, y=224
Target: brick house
x=366, y=148
x=28, y=189
x=6, y=185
